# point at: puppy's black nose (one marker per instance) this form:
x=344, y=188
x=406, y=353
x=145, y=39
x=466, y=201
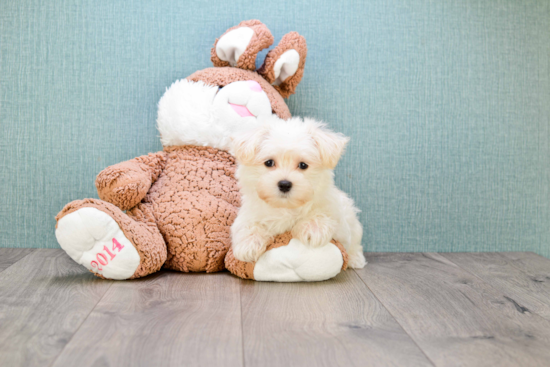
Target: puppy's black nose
x=284, y=185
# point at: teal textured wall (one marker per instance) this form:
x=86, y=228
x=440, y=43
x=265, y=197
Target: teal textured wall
x=447, y=103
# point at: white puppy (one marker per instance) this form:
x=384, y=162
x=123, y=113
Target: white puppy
x=285, y=173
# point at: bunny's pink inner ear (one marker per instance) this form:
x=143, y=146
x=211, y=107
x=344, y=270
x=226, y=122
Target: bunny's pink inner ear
x=239, y=45
x=284, y=65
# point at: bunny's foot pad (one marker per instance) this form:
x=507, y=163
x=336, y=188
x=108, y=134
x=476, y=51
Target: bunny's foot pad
x=94, y=239
x=289, y=260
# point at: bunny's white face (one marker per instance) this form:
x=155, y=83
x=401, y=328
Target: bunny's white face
x=242, y=99
x=192, y=113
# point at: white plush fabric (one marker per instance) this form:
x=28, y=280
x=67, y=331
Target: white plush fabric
x=84, y=233
x=286, y=66
x=193, y=113
x=299, y=263
x=233, y=44
x=240, y=93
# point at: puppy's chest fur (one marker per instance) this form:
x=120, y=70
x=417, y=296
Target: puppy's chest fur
x=279, y=220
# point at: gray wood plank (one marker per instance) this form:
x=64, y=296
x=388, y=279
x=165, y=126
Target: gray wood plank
x=44, y=298
x=9, y=256
x=533, y=292
x=536, y=266
x=334, y=323
x=167, y=319
x=456, y=318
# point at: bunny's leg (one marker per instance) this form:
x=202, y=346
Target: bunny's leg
x=110, y=243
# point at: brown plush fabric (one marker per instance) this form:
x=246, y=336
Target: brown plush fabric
x=184, y=219
x=239, y=268
x=245, y=270
x=195, y=201
x=224, y=76
x=290, y=41
x=261, y=39
x=126, y=184
x=139, y=227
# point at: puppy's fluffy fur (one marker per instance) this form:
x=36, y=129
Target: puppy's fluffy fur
x=313, y=209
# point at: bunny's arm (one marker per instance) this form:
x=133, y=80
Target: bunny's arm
x=126, y=184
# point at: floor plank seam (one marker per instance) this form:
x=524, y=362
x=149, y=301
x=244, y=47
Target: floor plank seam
x=241, y=282
x=506, y=296
x=33, y=250
x=398, y=323
x=79, y=326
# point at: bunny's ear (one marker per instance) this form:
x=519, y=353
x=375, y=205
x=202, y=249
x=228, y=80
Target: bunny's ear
x=239, y=45
x=284, y=65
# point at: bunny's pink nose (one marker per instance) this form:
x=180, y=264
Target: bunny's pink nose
x=255, y=86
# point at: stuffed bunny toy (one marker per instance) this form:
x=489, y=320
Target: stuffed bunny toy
x=174, y=208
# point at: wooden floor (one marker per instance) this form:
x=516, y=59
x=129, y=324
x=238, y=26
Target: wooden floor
x=403, y=309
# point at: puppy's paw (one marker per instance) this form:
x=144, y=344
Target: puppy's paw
x=314, y=233
x=357, y=260
x=249, y=248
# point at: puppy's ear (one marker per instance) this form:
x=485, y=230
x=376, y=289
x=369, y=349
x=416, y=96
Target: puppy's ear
x=331, y=145
x=246, y=146
x=239, y=45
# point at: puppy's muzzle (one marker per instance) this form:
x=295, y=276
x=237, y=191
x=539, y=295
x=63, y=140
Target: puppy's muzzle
x=284, y=186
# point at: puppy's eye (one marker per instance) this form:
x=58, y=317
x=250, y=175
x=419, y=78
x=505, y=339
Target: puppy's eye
x=303, y=165
x=269, y=163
